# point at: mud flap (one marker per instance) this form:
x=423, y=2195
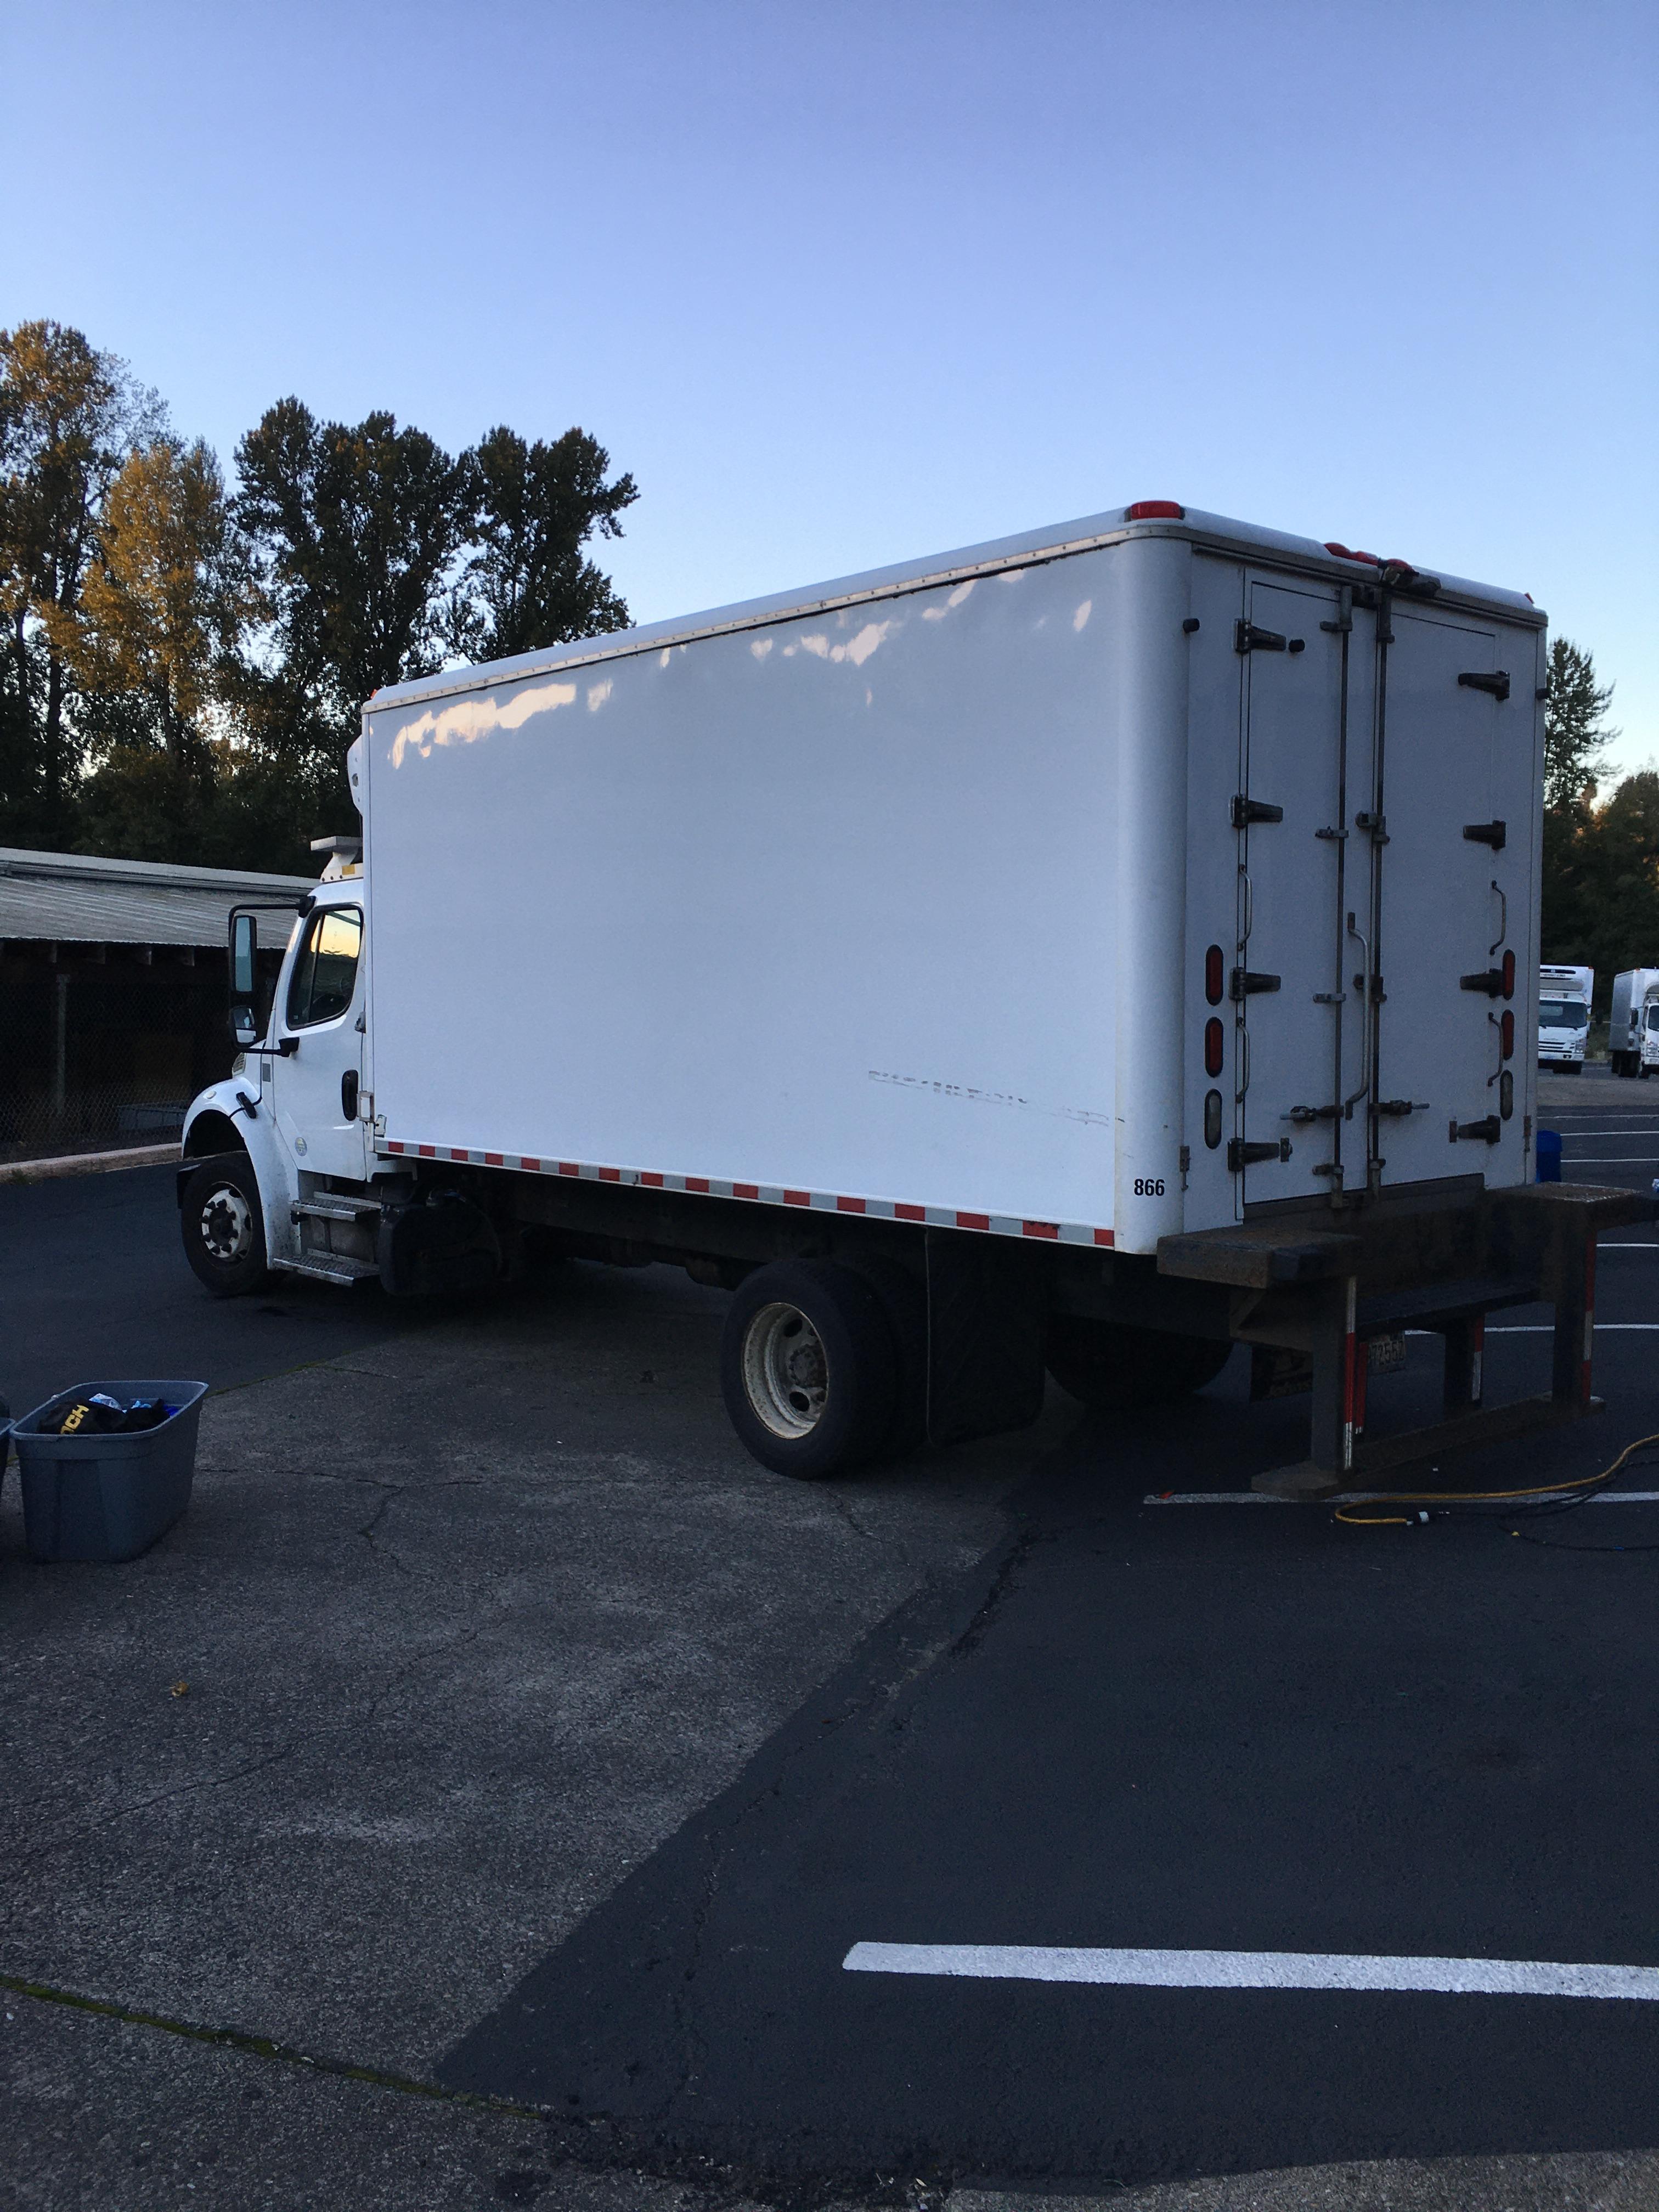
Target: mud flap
x=986, y=1313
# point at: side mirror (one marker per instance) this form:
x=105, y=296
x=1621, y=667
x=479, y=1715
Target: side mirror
x=243, y=980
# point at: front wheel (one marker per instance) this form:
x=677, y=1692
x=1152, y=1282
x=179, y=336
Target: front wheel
x=808, y=1368
x=223, y=1227
x=1113, y=1367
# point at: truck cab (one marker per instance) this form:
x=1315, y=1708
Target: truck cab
x=1564, y=1014
x=1650, y=1033
x=294, y=1117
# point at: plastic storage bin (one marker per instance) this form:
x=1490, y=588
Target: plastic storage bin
x=1549, y=1155
x=93, y=1498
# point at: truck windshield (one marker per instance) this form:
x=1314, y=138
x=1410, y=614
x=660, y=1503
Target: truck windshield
x=1563, y=1014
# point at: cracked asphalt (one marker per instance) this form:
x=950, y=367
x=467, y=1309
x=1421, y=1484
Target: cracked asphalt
x=540, y=1756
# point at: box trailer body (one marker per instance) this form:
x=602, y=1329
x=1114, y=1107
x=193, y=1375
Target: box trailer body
x=1632, y=992
x=1566, y=995
x=1090, y=893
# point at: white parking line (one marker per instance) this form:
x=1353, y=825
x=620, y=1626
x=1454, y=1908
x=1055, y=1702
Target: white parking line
x=1613, y=1160
x=1255, y=1969
x=1546, y=1329
x=1357, y=1497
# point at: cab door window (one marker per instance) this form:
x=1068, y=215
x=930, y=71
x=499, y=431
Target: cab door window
x=326, y=968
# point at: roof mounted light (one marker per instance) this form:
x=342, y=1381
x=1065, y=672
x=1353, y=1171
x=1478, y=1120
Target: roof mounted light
x=1343, y=553
x=1155, y=510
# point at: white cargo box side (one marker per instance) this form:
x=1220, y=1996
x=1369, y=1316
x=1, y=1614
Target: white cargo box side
x=826, y=910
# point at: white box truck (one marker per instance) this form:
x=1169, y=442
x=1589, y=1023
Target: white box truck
x=1098, y=948
x=1565, y=996
x=1635, y=995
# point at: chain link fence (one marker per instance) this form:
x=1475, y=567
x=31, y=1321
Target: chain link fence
x=99, y=1054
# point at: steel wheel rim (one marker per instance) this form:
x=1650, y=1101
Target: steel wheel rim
x=227, y=1226
x=785, y=1374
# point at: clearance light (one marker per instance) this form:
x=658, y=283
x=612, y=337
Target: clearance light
x=1155, y=510
x=1215, y=980
x=1506, y=1031
x=1213, y=1118
x=1213, y=1047
x=1343, y=553
x=1508, y=974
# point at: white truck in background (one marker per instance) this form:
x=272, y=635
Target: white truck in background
x=1564, y=997
x=1634, y=1030
x=1096, y=948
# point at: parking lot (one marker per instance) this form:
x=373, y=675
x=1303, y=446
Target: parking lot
x=477, y=1797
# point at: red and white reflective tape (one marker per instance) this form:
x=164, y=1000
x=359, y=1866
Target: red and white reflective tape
x=762, y=1193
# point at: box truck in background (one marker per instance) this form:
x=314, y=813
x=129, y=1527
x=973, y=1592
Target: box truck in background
x=1627, y=1029
x=1097, y=948
x=1564, y=1016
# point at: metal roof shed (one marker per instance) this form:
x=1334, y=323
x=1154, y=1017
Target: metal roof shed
x=109, y=1022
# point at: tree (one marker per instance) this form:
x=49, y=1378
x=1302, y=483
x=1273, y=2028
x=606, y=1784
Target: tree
x=529, y=585
x=69, y=417
x=167, y=596
x=1574, y=735
x=354, y=530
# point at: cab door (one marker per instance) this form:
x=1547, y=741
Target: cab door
x=318, y=1026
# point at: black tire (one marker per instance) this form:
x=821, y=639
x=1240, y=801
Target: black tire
x=223, y=1224
x=1645, y=1071
x=808, y=1369
x=1112, y=1367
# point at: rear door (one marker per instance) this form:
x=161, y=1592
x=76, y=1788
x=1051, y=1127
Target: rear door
x=1453, y=860
x=1295, y=1058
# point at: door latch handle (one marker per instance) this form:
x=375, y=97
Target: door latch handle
x=1241, y=1155
x=1490, y=1131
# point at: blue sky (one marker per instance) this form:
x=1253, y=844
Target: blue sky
x=845, y=284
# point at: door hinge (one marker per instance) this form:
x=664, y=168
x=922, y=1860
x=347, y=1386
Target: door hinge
x=1253, y=809
x=1489, y=980
x=1247, y=638
x=1246, y=982
x=1496, y=684
x=1375, y=826
x=1489, y=1131
x=1495, y=834
x=1241, y=1155
x=1378, y=996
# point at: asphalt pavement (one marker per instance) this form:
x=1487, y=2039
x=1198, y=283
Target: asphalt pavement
x=540, y=1752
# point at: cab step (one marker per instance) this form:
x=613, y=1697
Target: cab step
x=335, y=1205
x=330, y=1267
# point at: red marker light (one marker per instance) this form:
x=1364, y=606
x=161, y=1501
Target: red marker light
x=1506, y=1032
x=1213, y=1047
x=1508, y=974
x=1346, y=553
x=1215, y=981
x=1155, y=510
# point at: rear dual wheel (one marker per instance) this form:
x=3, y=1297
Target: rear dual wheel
x=810, y=1368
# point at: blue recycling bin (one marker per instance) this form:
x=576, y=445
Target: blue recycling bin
x=1549, y=1155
